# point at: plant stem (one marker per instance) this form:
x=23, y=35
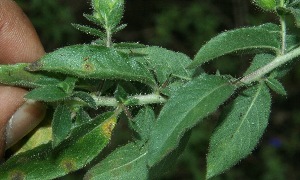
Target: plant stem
x=141, y=100
x=278, y=61
x=108, y=32
x=108, y=37
x=283, y=34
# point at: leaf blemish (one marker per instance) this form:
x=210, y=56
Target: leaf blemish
x=68, y=165
x=108, y=126
x=34, y=66
x=88, y=66
x=17, y=175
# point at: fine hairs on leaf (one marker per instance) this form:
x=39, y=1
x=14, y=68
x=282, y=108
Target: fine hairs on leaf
x=185, y=109
x=243, y=125
x=156, y=95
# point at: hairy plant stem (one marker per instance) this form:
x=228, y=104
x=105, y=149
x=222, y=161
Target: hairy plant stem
x=141, y=100
x=108, y=37
x=108, y=32
x=278, y=61
x=283, y=34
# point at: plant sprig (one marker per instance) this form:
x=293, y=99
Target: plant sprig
x=107, y=15
x=170, y=94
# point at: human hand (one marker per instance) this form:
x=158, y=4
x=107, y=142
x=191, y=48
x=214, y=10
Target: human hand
x=18, y=43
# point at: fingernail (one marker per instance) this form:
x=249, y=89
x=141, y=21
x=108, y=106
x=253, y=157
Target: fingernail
x=24, y=120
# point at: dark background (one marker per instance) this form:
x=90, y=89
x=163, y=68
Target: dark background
x=183, y=25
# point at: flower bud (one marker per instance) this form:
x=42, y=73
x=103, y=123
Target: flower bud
x=108, y=12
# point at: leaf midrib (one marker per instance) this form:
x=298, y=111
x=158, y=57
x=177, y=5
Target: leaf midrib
x=244, y=117
x=132, y=161
x=250, y=107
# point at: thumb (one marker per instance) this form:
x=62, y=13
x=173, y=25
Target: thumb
x=18, y=43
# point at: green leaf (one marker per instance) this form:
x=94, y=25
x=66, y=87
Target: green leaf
x=108, y=12
x=143, y=123
x=119, y=28
x=130, y=161
x=276, y=86
x=169, y=161
x=89, y=30
x=86, y=97
x=172, y=88
x=15, y=75
x=61, y=124
x=37, y=137
x=91, y=61
x=294, y=3
x=116, y=13
x=68, y=84
x=236, y=40
x=124, y=45
x=120, y=94
x=51, y=93
x=292, y=42
x=190, y=104
x=84, y=144
x=267, y=5
x=259, y=61
x=126, y=163
x=164, y=62
x=92, y=19
x=82, y=117
x=275, y=28
x=296, y=13
x=47, y=93
x=243, y=125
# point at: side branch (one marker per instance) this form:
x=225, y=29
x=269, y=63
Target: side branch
x=141, y=100
x=278, y=61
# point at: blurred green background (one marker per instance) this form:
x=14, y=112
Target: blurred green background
x=183, y=25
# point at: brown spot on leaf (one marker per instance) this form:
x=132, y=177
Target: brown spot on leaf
x=68, y=165
x=87, y=66
x=17, y=175
x=108, y=126
x=34, y=66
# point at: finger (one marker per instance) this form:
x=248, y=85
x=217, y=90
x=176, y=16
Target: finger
x=18, y=39
x=18, y=43
x=10, y=100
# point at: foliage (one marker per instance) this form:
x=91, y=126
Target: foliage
x=161, y=93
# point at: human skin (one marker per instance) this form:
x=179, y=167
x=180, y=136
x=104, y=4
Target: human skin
x=18, y=43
